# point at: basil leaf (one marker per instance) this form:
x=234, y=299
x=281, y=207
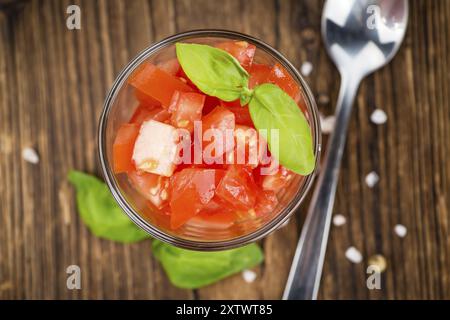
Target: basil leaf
x=195, y=269
x=214, y=71
x=100, y=212
x=272, y=108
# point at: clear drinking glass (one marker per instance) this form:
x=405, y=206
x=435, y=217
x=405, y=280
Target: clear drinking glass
x=120, y=105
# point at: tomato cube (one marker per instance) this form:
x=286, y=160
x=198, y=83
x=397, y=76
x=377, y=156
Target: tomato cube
x=145, y=100
x=241, y=114
x=279, y=76
x=238, y=188
x=171, y=66
x=157, y=83
x=259, y=74
x=191, y=190
x=222, y=120
x=210, y=104
x=266, y=202
x=156, y=148
x=186, y=107
x=277, y=180
x=144, y=113
x=123, y=147
x=241, y=50
x=153, y=187
x=246, y=151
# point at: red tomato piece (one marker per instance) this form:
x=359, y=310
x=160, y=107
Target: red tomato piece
x=241, y=114
x=146, y=100
x=259, y=73
x=279, y=76
x=246, y=147
x=186, y=107
x=143, y=114
x=157, y=83
x=277, y=180
x=210, y=104
x=217, y=220
x=238, y=188
x=266, y=202
x=191, y=190
x=223, y=120
x=123, y=147
x=241, y=50
x=171, y=66
x=151, y=186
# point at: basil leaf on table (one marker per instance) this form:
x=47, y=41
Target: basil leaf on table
x=214, y=71
x=100, y=212
x=194, y=269
x=272, y=108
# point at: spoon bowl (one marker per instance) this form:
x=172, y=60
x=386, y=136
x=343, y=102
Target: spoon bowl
x=361, y=36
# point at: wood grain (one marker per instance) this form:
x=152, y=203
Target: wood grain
x=52, y=85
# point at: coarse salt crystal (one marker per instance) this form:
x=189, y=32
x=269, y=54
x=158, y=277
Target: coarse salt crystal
x=30, y=155
x=327, y=124
x=353, y=255
x=339, y=220
x=249, y=276
x=378, y=116
x=372, y=179
x=400, y=230
x=306, y=68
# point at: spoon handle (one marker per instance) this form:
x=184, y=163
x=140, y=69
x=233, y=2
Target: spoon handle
x=306, y=270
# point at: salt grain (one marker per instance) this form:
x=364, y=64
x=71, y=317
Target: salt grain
x=372, y=179
x=339, y=220
x=306, y=68
x=353, y=255
x=400, y=230
x=249, y=276
x=30, y=155
x=378, y=116
x=327, y=124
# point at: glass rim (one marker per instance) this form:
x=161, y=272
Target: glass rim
x=153, y=230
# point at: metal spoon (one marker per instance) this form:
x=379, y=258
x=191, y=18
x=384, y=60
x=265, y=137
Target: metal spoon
x=361, y=36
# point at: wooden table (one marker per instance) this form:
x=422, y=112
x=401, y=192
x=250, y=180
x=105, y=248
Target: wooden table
x=52, y=85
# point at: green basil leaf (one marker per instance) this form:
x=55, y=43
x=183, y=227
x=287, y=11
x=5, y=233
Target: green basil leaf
x=194, y=269
x=214, y=71
x=100, y=212
x=272, y=108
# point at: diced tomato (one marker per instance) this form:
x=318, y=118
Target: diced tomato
x=192, y=189
x=241, y=50
x=186, y=107
x=181, y=74
x=241, y=114
x=146, y=100
x=279, y=76
x=238, y=188
x=259, y=73
x=266, y=202
x=217, y=220
x=223, y=120
x=277, y=180
x=171, y=66
x=210, y=104
x=143, y=113
x=151, y=186
x=123, y=147
x=246, y=151
x=157, y=83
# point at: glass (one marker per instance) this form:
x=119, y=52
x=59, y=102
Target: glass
x=118, y=108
